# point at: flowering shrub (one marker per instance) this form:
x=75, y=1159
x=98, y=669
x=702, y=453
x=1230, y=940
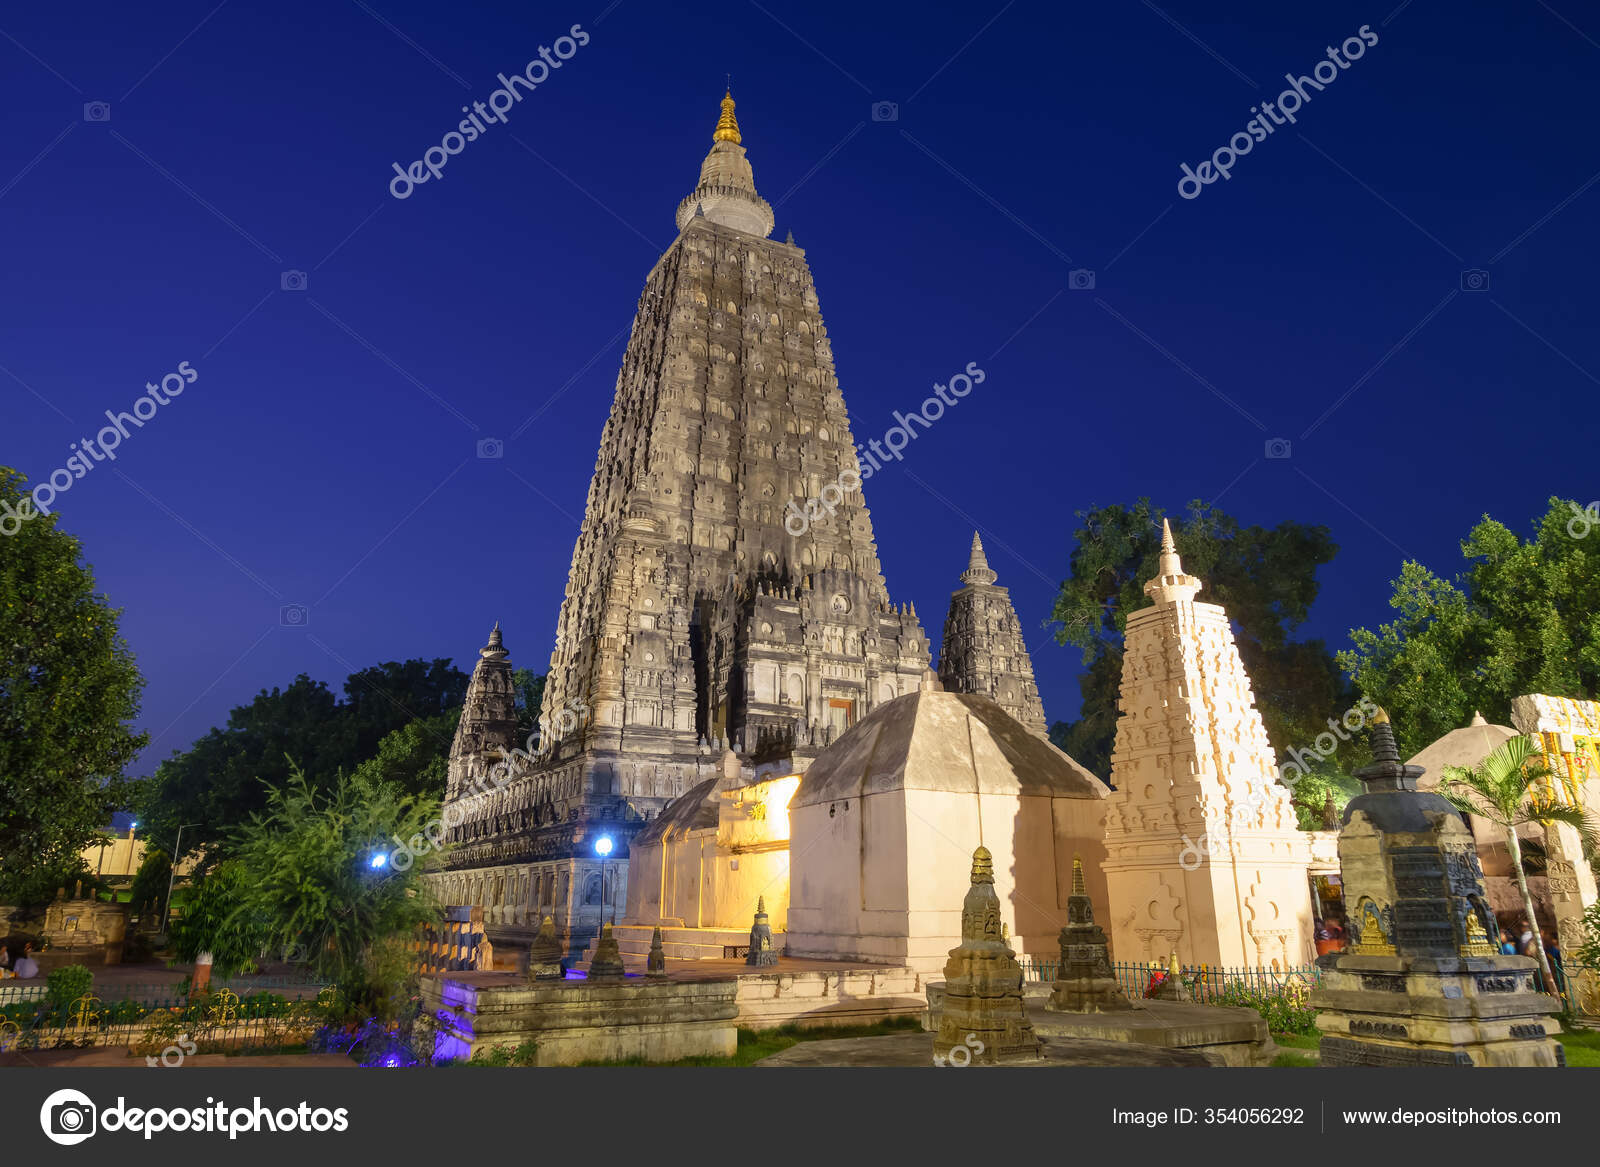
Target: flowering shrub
x=1283, y=1008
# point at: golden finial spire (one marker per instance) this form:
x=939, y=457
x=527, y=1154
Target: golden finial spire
x=982, y=866
x=1380, y=718
x=727, y=124
x=1077, y=877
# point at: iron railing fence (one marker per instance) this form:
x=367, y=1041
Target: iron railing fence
x=171, y=1027
x=1208, y=984
x=1577, y=985
x=14, y=992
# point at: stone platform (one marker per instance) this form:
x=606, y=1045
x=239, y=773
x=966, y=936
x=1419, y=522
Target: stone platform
x=681, y=943
x=916, y=1049
x=576, y=1020
x=1219, y=1035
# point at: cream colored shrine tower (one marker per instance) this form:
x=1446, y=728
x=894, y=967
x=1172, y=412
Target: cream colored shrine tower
x=1204, y=857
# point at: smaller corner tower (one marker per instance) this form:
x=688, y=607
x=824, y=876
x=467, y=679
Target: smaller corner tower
x=984, y=651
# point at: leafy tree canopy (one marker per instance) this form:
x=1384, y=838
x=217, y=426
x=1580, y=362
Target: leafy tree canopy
x=309, y=879
x=415, y=757
x=1265, y=577
x=530, y=697
x=1523, y=617
x=68, y=691
x=220, y=781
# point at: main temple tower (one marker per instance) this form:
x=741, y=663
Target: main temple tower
x=708, y=606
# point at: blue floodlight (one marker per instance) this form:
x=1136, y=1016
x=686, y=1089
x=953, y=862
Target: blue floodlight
x=602, y=845
x=378, y=859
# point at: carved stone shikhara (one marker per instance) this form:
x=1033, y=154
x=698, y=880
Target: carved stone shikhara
x=984, y=651
x=700, y=611
x=1204, y=854
x=1422, y=984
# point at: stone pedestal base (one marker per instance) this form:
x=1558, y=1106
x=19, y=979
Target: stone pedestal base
x=1088, y=994
x=983, y=1010
x=1220, y=1035
x=1448, y=1011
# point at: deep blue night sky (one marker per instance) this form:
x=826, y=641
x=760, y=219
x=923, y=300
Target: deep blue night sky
x=327, y=454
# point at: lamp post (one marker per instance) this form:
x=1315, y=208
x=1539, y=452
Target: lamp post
x=602, y=848
x=177, y=855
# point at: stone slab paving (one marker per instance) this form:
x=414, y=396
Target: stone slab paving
x=916, y=1049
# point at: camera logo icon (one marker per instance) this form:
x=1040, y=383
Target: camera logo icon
x=68, y=1117
x=491, y=448
x=885, y=111
x=1278, y=447
x=97, y=111
x=1474, y=279
x=294, y=615
x=1080, y=279
x=292, y=281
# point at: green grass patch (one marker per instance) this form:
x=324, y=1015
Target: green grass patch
x=1298, y=1040
x=1290, y=1058
x=755, y=1044
x=1583, y=1048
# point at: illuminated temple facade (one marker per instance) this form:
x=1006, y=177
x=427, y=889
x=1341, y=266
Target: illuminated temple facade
x=695, y=621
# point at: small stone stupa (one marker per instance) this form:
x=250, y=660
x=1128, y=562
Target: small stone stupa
x=761, y=953
x=656, y=962
x=983, y=1012
x=607, y=962
x=1172, y=987
x=544, y=954
x=1084, y=980
x=1422, y=983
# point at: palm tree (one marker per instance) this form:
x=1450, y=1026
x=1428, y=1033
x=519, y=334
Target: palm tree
x=1507, y=789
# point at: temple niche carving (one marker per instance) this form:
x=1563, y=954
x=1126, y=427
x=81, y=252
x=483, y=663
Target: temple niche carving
x=1204, y=854
x=694, y=620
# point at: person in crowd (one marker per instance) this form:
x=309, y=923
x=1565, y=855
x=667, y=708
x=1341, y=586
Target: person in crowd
x=1508, y=946
x=26, y=967
x=1525, y=941
x=1552, y=951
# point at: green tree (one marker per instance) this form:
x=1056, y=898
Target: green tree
x=1524, y=617
x=530, y=697
x=1265, y=577
x=68, y=691
x=1506, y=788
x=218, y=783
x=1588, y=952
x=416, y=756
x=151, y=881
x=308, y=876
x=214, y=920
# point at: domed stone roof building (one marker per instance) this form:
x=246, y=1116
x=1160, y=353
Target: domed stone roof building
x=883, y=819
